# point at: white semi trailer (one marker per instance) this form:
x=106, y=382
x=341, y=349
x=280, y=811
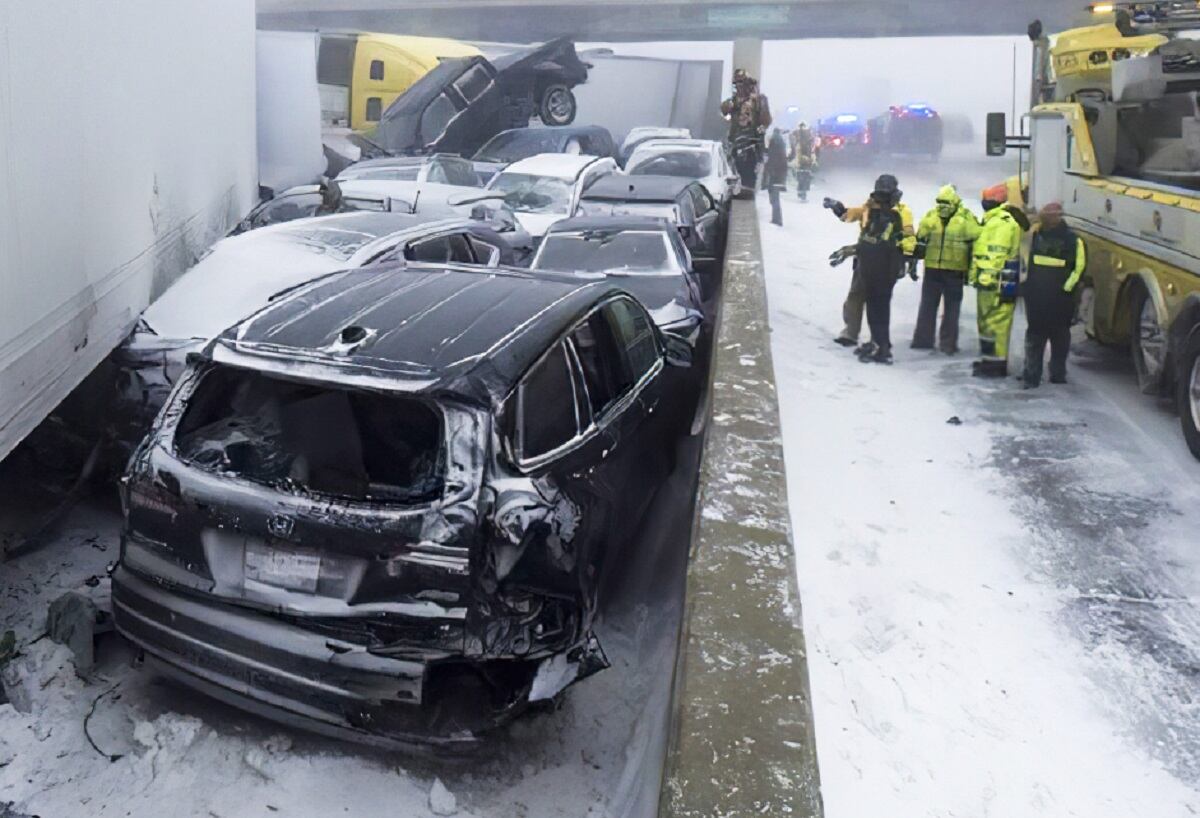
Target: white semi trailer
x=127, y=146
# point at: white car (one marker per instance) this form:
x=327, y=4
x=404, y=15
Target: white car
x=547, y=187
x=242, y=274
x=375, y=193
x=644, y=133
x=439, y=168
x=701, y=159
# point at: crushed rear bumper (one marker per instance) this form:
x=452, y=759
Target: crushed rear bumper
x=277, y=669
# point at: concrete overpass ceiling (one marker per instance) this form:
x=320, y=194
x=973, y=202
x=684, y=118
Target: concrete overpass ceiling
x=621, y=20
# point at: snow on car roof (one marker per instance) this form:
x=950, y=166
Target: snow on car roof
x=566, y=166
x=504, y=320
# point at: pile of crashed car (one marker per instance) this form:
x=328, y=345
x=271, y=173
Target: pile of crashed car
x=383, y=433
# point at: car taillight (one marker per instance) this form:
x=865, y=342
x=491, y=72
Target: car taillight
x=153, y=498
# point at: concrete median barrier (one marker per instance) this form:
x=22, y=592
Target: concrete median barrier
x=742, y=734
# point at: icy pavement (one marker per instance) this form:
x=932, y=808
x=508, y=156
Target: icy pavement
x=1001, y=615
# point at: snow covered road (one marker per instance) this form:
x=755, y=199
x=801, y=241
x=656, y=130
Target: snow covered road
x=1001, y=615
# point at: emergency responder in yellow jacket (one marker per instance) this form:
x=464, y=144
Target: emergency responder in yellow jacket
x=995, y=269
x=945, y=238
x=1057, y=259
x=852, y=309
x=883, y=252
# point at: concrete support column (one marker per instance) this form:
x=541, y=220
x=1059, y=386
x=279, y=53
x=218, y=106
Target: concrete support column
x=747, y=54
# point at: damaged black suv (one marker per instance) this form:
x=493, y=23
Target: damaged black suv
x=381, y=506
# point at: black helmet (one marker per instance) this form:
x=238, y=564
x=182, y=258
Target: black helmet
x=886, y=184
x=887, y=189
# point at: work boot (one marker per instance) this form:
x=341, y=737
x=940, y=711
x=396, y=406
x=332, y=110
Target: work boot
x=842, y=340
x=1028, y=383
x=865, y=351
x=921, y=345
x=1058, y=379
x=989, y=369
x=881, y=356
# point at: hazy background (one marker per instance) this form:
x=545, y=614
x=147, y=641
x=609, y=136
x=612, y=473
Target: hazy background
x=967, y=76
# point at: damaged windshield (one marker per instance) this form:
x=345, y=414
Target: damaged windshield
x=642, y=252
x=527, y=193
x=511, y=146
x=292, y=435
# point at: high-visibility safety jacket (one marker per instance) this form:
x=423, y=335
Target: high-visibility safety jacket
x=1057, y=259
x=948, y=243
x=999, y=242
x=860, y=215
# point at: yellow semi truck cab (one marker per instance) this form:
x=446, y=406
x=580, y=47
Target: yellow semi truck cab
x=360, y=74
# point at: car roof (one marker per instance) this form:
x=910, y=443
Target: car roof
x=559, y=130
x=398, y=161
x=431, y=329
x=649, y=188
x=558, y=165
x=669, y=142
x=582, y=224
x=369, y=222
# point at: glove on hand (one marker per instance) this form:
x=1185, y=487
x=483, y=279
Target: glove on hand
x=839, y=255
x=837, y=207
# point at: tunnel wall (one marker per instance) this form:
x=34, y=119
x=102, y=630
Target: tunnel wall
x=742, y=739
x=127, y=146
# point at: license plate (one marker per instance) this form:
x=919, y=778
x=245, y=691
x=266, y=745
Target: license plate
x=296, y=569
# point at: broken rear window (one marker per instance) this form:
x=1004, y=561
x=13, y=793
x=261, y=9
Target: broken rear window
x=292, y=435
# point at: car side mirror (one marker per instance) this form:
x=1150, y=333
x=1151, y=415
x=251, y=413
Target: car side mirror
x=997, y=134
x=685, y=231
x=678, y=352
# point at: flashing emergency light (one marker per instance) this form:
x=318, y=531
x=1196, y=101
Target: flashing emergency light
x=1102, y=8
x=844, y=118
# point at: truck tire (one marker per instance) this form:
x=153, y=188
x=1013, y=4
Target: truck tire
x=1147, y=341
x=1188, y=392
x=557, y=105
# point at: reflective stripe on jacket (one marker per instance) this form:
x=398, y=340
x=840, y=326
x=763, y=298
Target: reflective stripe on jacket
x=948, y=244
x=859, y=214
x=1056, y=261
x=999, y=242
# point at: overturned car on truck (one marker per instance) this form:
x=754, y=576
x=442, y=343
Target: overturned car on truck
x=383, y=506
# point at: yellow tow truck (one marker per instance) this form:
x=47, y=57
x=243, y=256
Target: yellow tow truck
x=1114, y=135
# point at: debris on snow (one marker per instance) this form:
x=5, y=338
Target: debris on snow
x=75, y=619
x=955, y=420
x=441, y=800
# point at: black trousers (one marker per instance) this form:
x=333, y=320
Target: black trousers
x=1059, y=338
x=937, y=287
x=773, y=192
x=879, y=313
x=747, y=168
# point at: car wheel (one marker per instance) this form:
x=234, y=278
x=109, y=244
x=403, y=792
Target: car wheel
x=1147, y=341
x=1188, y=393
x=558, y=106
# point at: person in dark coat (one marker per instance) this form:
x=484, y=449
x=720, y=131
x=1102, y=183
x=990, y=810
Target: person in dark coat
x=776, y=170
x=1057, y=259
x=881, y=256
